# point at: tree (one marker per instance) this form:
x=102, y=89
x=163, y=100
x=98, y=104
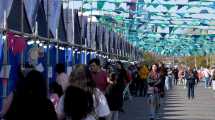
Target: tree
x=150, y=58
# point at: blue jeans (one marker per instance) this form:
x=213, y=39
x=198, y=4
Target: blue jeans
x=207, y=82
x=190, y=92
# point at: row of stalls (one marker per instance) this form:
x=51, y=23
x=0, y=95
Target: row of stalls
x=42, y=33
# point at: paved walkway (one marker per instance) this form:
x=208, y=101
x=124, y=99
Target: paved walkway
x=176, y=106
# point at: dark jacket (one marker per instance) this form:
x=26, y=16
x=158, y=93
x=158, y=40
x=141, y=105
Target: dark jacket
x=40, y=110
x=191, y=79
x=115, y=97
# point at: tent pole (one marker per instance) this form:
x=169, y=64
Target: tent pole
x=49, y=70
x=22, y=30
x=73, y=29
x=68, y=22
x=91, y=12
x=83, y=37
x=57, y=47
x=67, y=50
x=83, y=57
x=5, y=59
x=48, y=62
x=73, y=24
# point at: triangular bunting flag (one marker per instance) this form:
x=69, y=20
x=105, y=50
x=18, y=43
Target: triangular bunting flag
x=204, y=11
x=117, y=4
x=195, y=37
x=213, y=5
x=169, y=6
x=163, y=35
x=203, y=24
x=181, y=14
x=155, y=5
x=180, y=6
x=100, y=4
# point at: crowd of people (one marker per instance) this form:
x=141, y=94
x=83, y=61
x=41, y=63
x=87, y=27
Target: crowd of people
x=90, y=92
x=189, y=77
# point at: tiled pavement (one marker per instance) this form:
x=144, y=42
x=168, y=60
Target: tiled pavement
x=175, y=106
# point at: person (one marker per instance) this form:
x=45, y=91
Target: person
x=30, y=100
x=76, y=104
x=101, y=107
x=163, y=75
x=8, y=100
x=175, y=72
x=181, y=76
x=121, y=77
x=114, y=98
x=77, y=101
x=213, y=80
x=206, y=77
x=109, y=70
x=196, y=75
x=142, y=80
x=134, y=82
x=190, y=84
x=154, y=81
x=153, y=78
x=62, y=78
x=132, y=72
x=121, y=73
x=56, y=92
x=169, y=79
x=98, y=75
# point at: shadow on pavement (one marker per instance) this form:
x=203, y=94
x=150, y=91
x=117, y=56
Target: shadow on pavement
x=172, y=108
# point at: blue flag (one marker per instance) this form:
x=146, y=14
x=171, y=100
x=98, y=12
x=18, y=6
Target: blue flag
x=54, y=10
x=1, y=45
x=31, y=10
x=5, y=5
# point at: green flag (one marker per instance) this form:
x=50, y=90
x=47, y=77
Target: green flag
x=169, y=6
x=100, y=4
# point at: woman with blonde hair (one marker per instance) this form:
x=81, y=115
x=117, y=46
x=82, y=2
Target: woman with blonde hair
x=181, y=76
x=82, y=100
x=77, y=102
